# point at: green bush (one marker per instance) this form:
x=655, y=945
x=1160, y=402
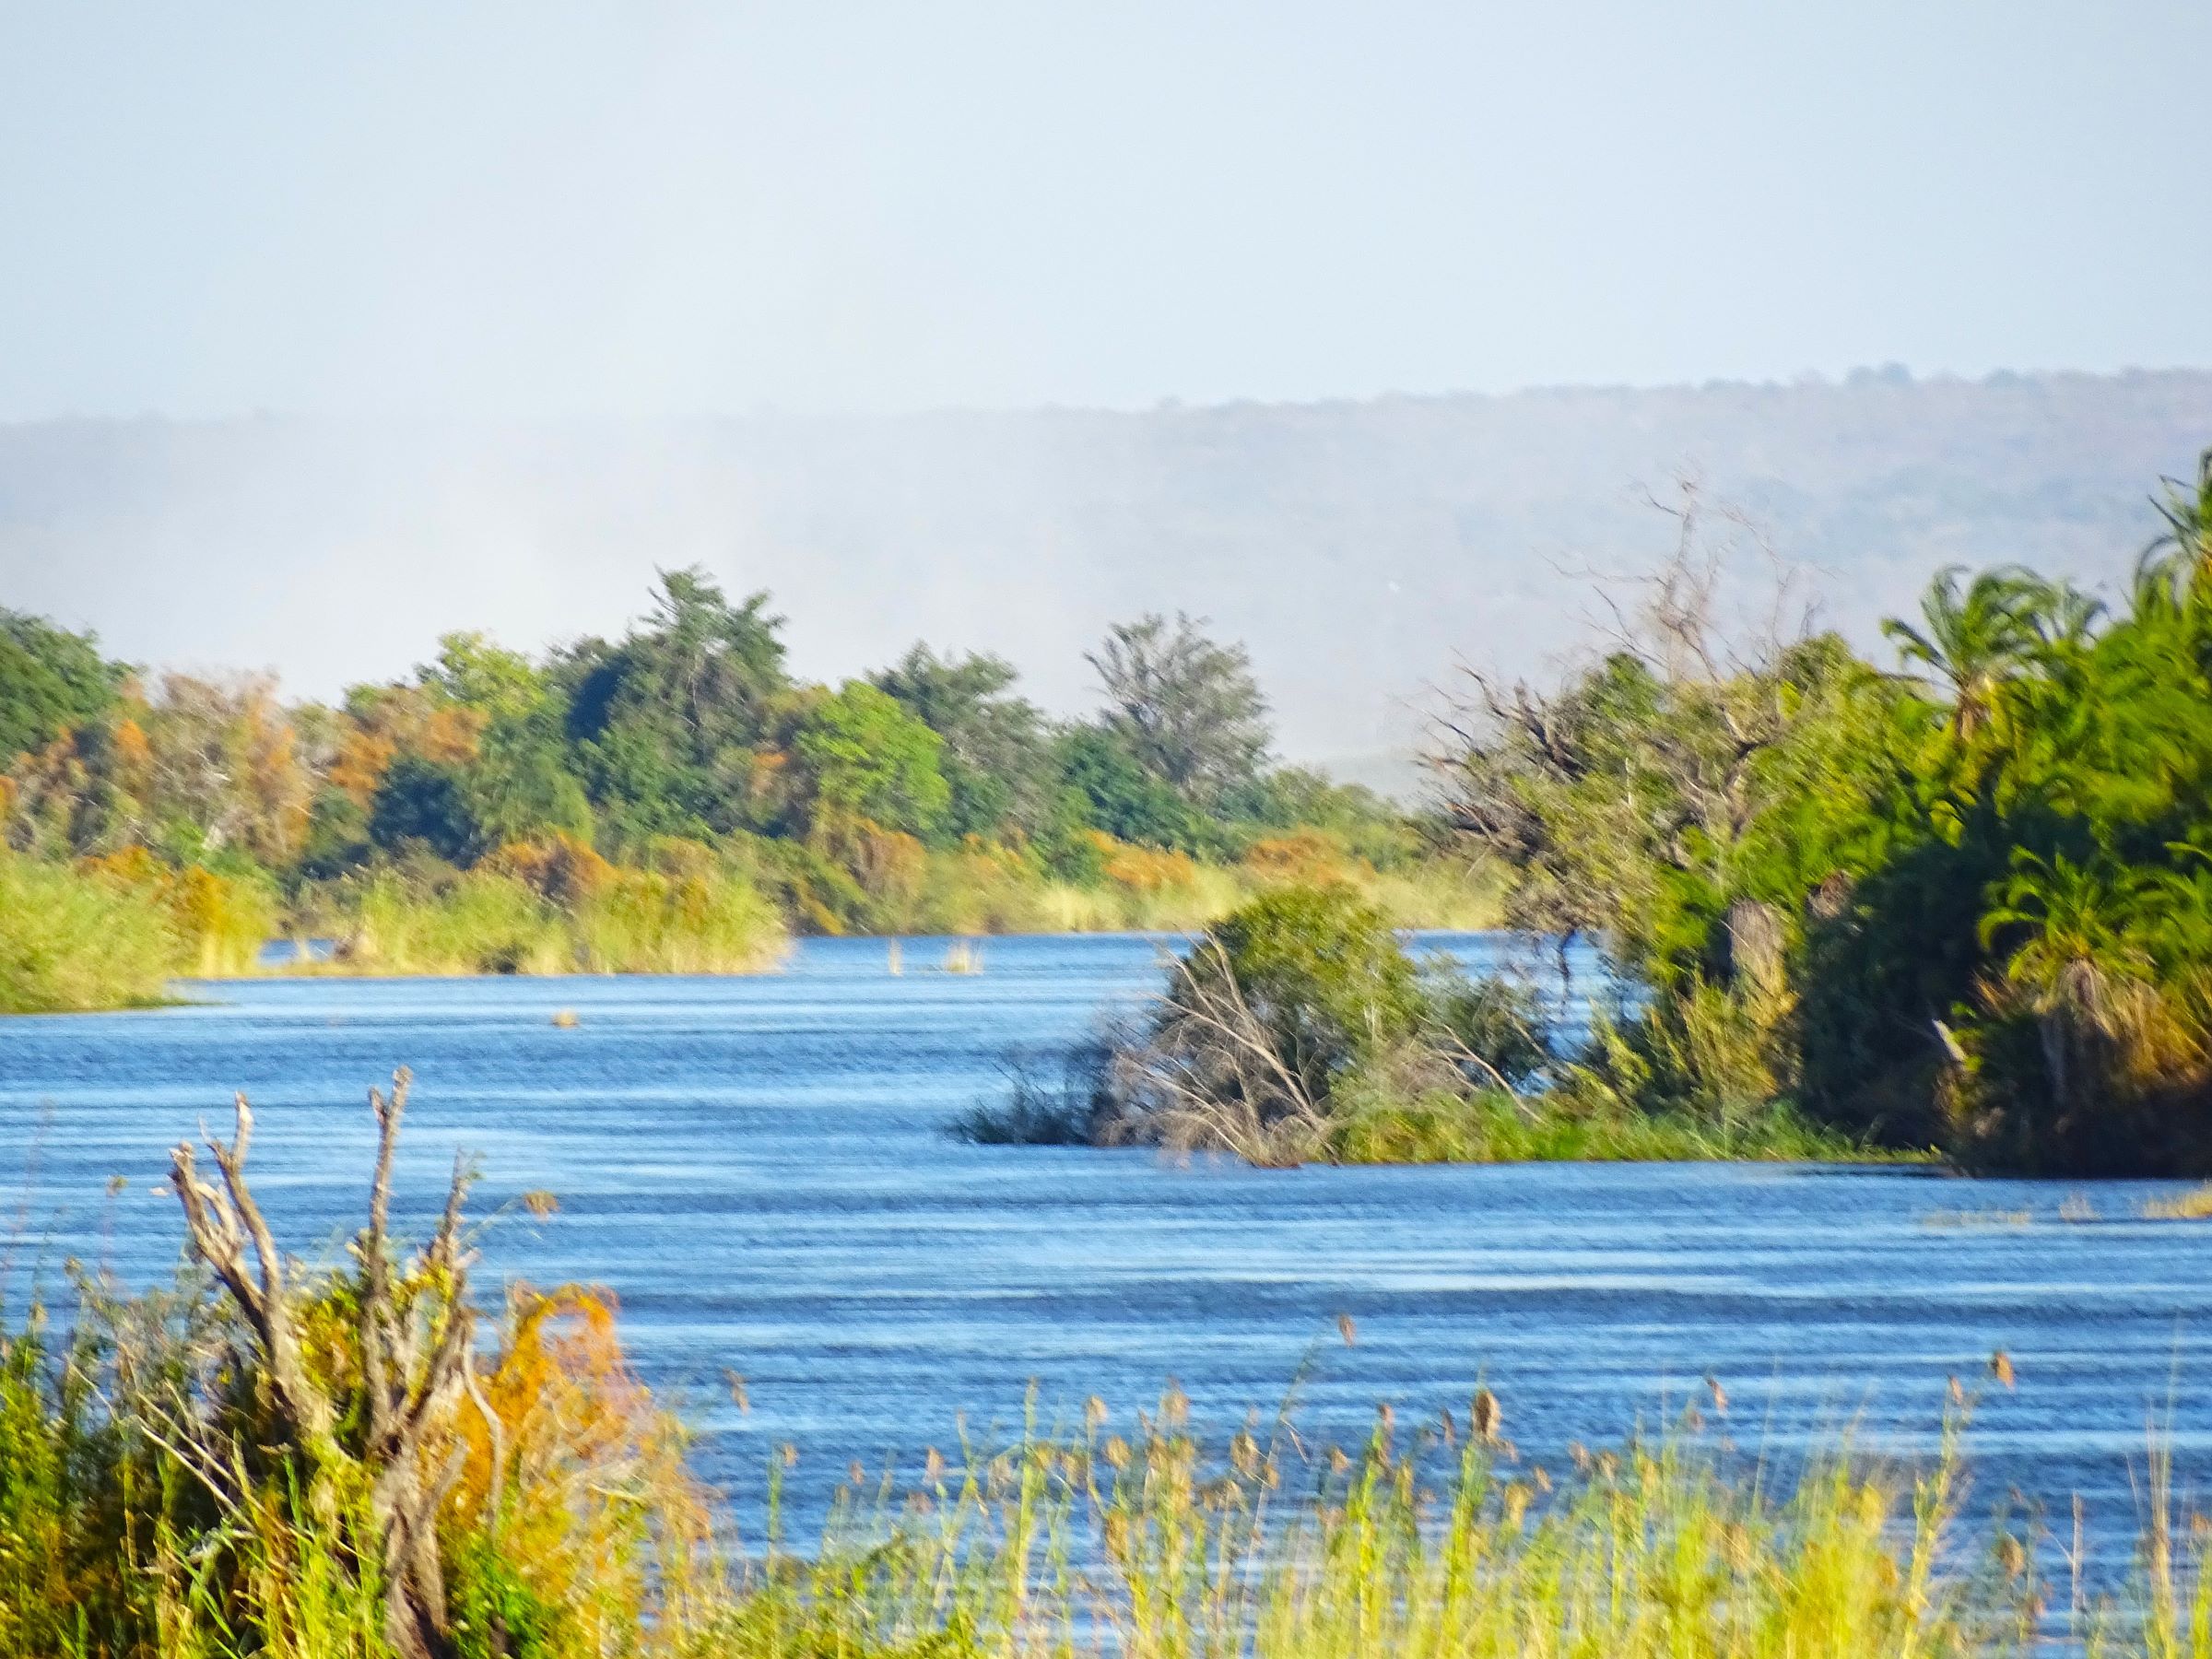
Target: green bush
x=72, y=940
x=1321, y=971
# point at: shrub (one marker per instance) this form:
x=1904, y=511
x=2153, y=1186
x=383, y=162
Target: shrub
x=77, y=939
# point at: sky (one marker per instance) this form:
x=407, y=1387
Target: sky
x=652, y=208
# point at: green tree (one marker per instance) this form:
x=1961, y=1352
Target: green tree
x=519, y=782
x=52, y=681
x=997, y=757
x=1973, y=639
x=870, y=758
x=424, y=801
x=666, y=724
x=1186, y=707
x=1108, y=788
x=472, y=672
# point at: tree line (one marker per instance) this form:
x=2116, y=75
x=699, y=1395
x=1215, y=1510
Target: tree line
x=691, y=731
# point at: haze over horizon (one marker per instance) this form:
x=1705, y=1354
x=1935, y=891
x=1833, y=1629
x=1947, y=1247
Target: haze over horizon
x=323, y=332
x=1361, y=548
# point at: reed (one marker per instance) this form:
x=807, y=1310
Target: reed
x=1494, y=1127
x=490, y=920
x=981, y=890
x=2195, y=1205
x=74, y=939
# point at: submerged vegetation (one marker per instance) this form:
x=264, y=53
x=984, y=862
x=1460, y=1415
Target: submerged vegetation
x=673, y=801
x=353, y=1462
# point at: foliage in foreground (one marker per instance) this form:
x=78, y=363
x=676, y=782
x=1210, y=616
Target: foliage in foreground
x=1967, y=904
x=354, y=1464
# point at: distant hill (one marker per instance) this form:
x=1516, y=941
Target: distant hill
x=1360, y=547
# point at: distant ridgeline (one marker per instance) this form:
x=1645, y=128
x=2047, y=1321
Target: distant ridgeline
x=1359, y=547
x=672, y=801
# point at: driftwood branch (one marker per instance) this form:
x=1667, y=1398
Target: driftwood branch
x=414, y=1332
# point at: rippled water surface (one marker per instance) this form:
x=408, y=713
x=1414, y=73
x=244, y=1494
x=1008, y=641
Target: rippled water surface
x=758, y=1168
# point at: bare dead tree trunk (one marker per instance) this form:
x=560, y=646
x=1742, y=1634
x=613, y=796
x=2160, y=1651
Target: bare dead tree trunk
x=415, y=1333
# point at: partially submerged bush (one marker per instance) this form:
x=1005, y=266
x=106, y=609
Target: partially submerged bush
x=1296, y=1003
x=1299, y=1029
x=1065, y=1098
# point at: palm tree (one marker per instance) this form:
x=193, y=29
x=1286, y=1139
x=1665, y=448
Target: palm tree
x=2073, y=919
x=2063, y=616
x=2188, y=516
x=1975, y=641
x=2176, y=569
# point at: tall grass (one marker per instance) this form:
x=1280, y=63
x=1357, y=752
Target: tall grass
x=1141, y=890
x=1494, y=1127
x=1436, y=1542
x=1130, y=1536
x=72, y=939
x=486, y=920
x=652, y=921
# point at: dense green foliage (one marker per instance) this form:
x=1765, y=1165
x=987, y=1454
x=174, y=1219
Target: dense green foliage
x=930, y=796
x=1968, y=903
x=72, y=940
x=51, y=681
x=1298, y=1027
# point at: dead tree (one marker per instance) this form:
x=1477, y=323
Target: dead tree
x=415, y=1333
x=1213, y=1076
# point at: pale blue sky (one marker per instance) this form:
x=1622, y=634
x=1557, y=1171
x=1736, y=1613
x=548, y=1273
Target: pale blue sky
x=663, y=208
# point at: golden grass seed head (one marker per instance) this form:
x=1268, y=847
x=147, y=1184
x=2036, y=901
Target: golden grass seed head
x=1485, y=1417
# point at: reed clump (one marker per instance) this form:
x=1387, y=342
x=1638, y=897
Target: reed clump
x=570, y=912
x=74, y=939
x=2195, y=1205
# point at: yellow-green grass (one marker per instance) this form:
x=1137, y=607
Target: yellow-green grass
x=968, y=894
x=73, y=940
x=1492, y=1127
x=484, y=922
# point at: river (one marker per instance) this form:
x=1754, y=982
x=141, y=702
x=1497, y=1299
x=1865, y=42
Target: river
x=759, y=1168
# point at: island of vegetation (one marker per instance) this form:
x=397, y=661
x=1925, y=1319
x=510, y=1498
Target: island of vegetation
x=671, y=802
x=1964, y=905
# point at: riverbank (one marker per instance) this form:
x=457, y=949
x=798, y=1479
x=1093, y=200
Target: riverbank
x=113, y=933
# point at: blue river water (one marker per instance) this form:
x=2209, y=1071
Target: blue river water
x=759, y=1168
